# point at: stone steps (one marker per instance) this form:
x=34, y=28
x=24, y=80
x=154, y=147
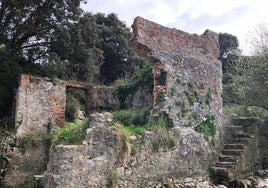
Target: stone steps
x=227, y=165
x=227, y=158
x=232, y=152
x=234, y=146
x=240, y=140
x=245, y=135
x=239, y=136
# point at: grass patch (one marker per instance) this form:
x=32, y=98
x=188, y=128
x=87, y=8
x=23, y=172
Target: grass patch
x=135, y=130
x=132, y=117
x=160, y=125
x=163, y=138
x=70, y=133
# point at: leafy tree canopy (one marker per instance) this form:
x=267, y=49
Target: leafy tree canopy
x=228, y=49
x=25, y=36
x=55, y=38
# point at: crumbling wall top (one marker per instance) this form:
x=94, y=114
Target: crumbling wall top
x=159, y=40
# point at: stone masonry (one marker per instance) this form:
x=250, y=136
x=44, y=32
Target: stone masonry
x=40, y=101
x=187, y=71
x=187, y=88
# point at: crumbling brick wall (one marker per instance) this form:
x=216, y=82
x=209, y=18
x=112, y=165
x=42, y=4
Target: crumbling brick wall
x=192, y=71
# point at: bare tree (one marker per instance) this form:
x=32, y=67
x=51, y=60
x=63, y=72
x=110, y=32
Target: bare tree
x=258, y=39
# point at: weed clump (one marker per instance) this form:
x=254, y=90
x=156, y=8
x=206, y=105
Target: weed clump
x=70, y=133
x=207, y=127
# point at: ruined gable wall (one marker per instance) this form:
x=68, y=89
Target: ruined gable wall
x=193, y=85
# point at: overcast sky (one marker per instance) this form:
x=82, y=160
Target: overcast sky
x=237, y=17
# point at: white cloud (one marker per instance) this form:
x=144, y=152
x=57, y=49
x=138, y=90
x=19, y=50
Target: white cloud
x=195, y=16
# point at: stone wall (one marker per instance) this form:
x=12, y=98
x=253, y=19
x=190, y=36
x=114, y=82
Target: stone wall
x=104, y=160
x=40, y=101
x=102, y=98
x=187, y=72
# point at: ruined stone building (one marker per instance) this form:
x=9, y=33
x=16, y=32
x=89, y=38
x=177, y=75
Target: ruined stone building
x=187, y=89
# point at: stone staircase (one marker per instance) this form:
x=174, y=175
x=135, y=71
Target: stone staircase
x=236, y=158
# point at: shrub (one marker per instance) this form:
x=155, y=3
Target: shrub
x=207, y=127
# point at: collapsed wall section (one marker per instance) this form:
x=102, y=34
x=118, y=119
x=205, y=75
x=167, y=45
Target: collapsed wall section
x=187, y=72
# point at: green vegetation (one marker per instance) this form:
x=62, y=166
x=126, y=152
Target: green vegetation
x=160, y=125
x=162, y=80
x=113, y=178
x=63, y=42
x=161, y=97
x=125, y=150
x=163, y=138
x=173, y=90
x=179, y=103
x=190, y=97
x=75, y=100
x=179, y=80
x=129, y=86
x=207, y=127
x=195, y=115
x=209, y=97
x=29, y=183
x=132, y=117
x=34, y=139
x=70, y=133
